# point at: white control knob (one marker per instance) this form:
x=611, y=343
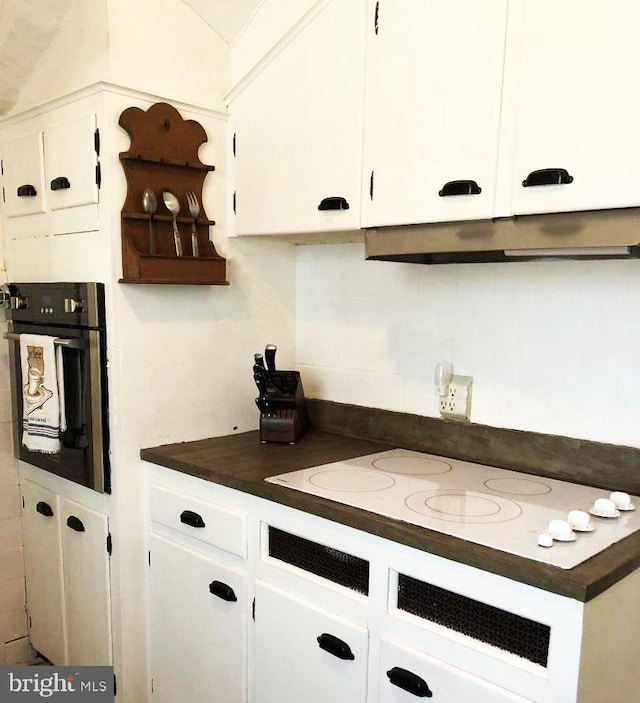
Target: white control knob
x=561, y=530
x=603, y=507
x=621, y=500
x=580, y=521
x=545, y=540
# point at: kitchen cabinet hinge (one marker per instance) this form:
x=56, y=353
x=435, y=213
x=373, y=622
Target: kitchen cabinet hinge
x=115, y=686
x=234, y=202
x=30, y=623
x=109, y=544
x=3, y=199
x=151, y=685
x=371, y=186
x=1, y=167
x=253, y=610
x=376, y=17
x=96, y=141
x=98, y=175
x=234, y=144
x=149, y=557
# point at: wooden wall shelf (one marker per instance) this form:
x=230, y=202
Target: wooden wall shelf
x=164, y=156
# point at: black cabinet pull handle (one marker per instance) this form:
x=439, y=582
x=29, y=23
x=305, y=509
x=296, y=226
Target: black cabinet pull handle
x=222, y=590
x=335, y=646
x=459, y=188
x=44, y=508
x=335, y=203
x=60, y=183
x=410, y=682
x=192, y=519
x=75, y=523
x=26, y=191
x=547, y=177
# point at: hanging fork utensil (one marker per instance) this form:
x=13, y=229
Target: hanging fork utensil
x=194, y=211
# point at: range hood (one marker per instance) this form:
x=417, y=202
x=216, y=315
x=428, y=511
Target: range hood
x=596, y=234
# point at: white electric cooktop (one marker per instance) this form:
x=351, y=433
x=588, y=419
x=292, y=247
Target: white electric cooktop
x=502, y=509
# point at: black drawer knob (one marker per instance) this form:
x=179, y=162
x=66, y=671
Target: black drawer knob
x=75, y=523
x=223, y=590
x=335, y=646
x=410, y=682
x=188, y=517
x=547, y=177
x=26, y=191
x=459, y=188
x=44, y=508
x=334, y=203
x=60, y=183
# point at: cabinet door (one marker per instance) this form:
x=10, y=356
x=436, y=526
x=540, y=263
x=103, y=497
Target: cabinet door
x=433, y=111
x=70, y=163
x=298, y=130
x=86, y=584
x=299, y=649
x=23, y=171
x=43, y=572
x=406, y=674
x=578, y=109
x=198, y=632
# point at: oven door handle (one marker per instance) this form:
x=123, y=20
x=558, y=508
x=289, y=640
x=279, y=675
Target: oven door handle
x=58, y=341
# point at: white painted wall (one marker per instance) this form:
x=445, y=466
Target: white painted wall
x=158, y=46
x=268, y=25
x=552, y=346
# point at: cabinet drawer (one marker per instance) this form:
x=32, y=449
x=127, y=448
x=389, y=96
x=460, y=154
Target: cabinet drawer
x=220, y=527
x=406, y=674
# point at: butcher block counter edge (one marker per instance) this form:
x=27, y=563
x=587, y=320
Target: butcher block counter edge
x=241, y=462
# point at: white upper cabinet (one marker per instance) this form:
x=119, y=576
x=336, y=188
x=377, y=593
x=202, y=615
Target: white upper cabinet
x=433, y=110
x=50, y=172
x=298, y=128
x=22, y=162
x=70, y=163
x=577, y=108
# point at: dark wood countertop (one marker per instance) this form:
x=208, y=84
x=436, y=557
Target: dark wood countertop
x=242, y=462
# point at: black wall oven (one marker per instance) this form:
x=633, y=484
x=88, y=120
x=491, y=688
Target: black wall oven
x=73, y=315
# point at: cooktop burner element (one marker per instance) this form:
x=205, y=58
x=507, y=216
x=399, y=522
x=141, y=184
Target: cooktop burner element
x=518, y=486
x=502, y=509
x=351, y=480
x=411, y=465
x=463, y=506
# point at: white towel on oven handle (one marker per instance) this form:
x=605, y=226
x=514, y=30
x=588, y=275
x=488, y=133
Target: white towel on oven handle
x=42, y=388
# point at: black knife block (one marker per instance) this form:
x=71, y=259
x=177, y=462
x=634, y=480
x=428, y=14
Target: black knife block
x=286, y=419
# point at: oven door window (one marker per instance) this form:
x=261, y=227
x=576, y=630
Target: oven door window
x=82, y=458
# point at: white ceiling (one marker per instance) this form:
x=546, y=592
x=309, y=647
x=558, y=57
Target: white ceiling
x=27, y=27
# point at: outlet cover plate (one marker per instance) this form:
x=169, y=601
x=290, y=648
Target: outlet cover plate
x=456, y=405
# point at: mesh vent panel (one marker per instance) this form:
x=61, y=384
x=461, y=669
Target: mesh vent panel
x=339, y=567
x=513, y=633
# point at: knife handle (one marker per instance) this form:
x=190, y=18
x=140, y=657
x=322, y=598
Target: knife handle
x=270, y=357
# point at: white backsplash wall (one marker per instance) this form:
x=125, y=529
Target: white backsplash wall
x=552, y=346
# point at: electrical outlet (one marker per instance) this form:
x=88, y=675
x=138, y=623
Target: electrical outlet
x=456, y=405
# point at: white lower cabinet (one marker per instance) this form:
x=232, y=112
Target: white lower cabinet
x=305, y=654
x=198, y=626
x=43, y=571
x=67, y=578
x=407, y=674
x=252, y=601
x=85, y=535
